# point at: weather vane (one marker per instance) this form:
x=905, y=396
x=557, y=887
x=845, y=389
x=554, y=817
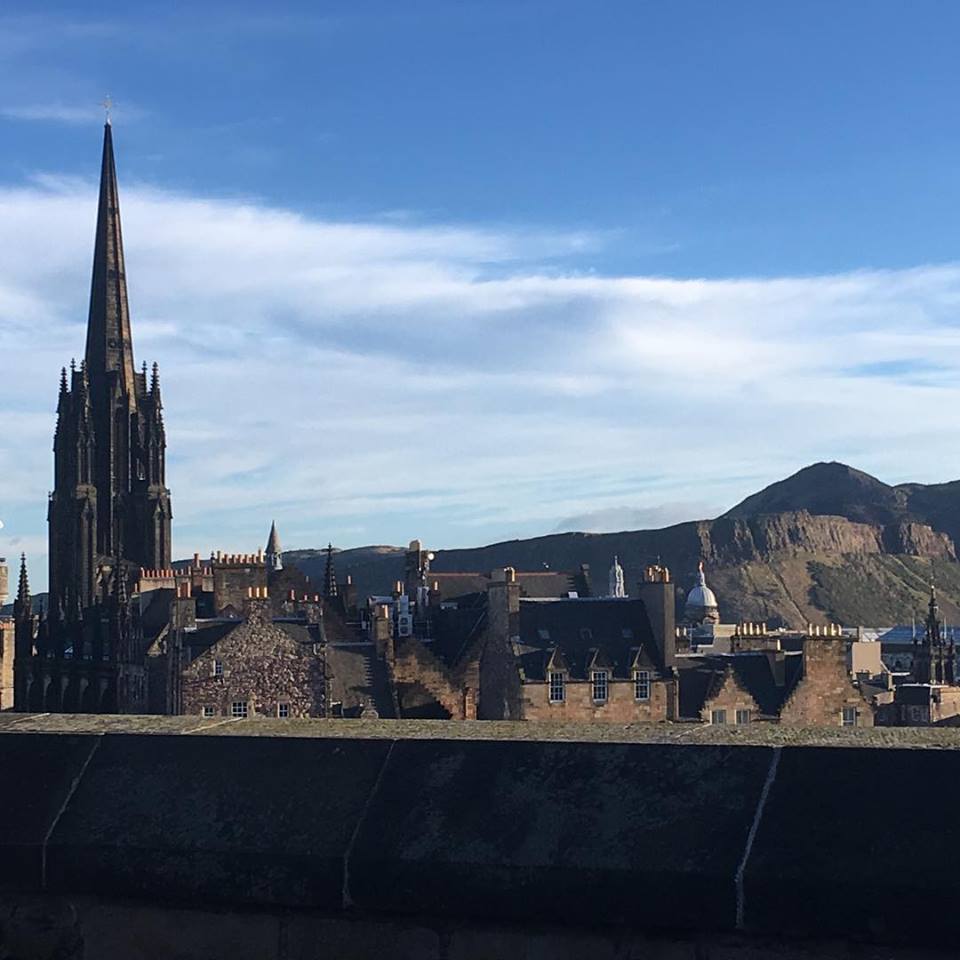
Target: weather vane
x=107, y=105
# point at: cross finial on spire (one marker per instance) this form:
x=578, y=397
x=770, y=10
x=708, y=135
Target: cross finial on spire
x=107, y=104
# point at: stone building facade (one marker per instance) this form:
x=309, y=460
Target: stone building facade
x=729, y=701
x=825, y=694
x=7, y=640
x=580, y=659
x=257, y=666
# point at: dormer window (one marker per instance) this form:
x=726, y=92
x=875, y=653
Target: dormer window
x=558, y=691
x=543, y=633
x=586, y=634
x=599, y=681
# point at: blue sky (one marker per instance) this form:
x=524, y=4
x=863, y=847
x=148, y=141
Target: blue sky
x=508, y=267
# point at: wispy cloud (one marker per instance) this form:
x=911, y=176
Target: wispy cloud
x=373, y=381
x=67, y=113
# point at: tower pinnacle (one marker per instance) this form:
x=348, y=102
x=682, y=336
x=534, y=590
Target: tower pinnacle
x=109, y=341
x=23, y=588
x=330, y=589
x=274, y=552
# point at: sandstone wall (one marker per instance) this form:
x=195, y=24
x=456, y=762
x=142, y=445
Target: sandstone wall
x=825, y=688
x=620, y=706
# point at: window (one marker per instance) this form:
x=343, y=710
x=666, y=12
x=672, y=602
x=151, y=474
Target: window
x=848, y=717
x=586, y=634
x=543, y=633
x=218, y=668
x=283, y=710
x=239, y=708
x=641, y=684
x=718, y=717
x=600, y=686
x=208, y=712
x=743, y=716
x=557, y=692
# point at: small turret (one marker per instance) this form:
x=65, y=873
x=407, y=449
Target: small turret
x=274, y=553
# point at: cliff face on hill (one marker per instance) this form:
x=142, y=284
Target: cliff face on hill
x=828, y=543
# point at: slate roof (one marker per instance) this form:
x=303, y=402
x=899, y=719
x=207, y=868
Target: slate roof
x=615, y=632
x=208, y=633
x=155, y=615
x=455, y=629
x=768, y=676
x=357, y=676
x=545, y=583
x=211, y=632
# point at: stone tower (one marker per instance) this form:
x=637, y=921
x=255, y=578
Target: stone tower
x=274, y=553
x=934, y=656
x=110, y=505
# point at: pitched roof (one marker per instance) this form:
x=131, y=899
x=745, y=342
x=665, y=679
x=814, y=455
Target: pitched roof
x=768, y=676
x=545, y=583
x=614, y=631
x=357, y=677
x=454, y=629
x=208, y=634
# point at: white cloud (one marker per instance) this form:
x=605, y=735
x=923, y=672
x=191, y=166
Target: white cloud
x=369, y=382
x=75, y=113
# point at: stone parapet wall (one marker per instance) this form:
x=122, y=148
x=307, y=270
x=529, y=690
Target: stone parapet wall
x=526, y=843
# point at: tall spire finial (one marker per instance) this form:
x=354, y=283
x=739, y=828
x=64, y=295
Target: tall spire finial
x=23, y=588
x=23, y=606
x=107, y=105
x=330, y=589
x=109, y=348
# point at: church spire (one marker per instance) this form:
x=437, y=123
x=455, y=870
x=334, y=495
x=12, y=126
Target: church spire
x=330, y=589
x=109, y=342
x=22, y=606
x=274, y=553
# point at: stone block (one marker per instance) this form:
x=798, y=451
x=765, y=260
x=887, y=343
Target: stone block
x=234, y=819
x=37, y=772
x=610, y=833
x=151, y=932
x=856, y=843
x=317, y=938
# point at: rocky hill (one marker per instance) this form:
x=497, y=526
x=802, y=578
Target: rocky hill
x=829, y=543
